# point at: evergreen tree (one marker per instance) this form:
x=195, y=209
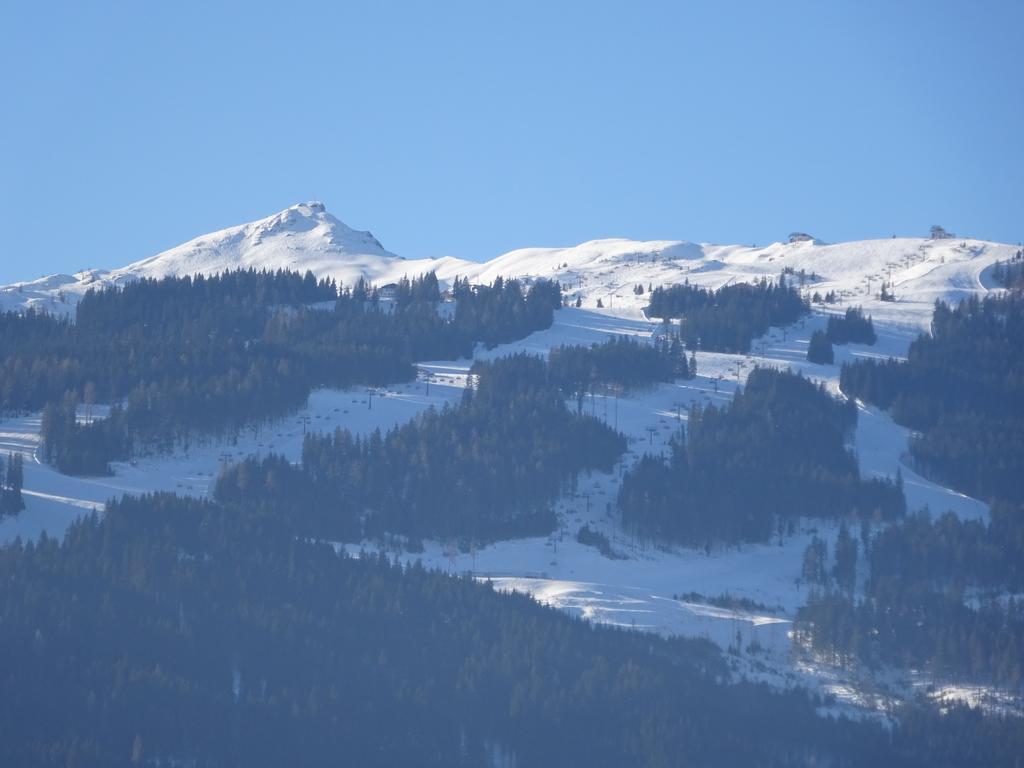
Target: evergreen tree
x=845, y=570
x=852, y=327
x=813, y=570
x=727, y=320
x=819, y=349
x=960, y=388
x=11, y=501
x=211, y=355
x=776, y=452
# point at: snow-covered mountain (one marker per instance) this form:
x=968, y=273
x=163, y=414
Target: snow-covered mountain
x=917, y=270
x=306, y=236
x=302, y=237
x=639, y=589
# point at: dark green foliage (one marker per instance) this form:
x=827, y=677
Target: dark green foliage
x=505, y=311
x=173, y=631
x=591, y=538
x=852, y=328
x=486, y=469
x=918, y=628
x=423, y=290
x=190, y=357
x=962, y=387
x=729, y=319
x=845, y=570
x=83, y=448
x=915, y=612
x=1010, y=274
x=814, y=569
x=11, y=481
x=819, y=349
x=776, y=452
x=954, y=552
x=621, y=362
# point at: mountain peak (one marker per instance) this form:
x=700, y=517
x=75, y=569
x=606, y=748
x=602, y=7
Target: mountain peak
x=306, y=237
x=301, y=237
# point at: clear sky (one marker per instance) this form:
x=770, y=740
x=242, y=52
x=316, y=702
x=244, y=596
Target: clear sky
x=473, y=128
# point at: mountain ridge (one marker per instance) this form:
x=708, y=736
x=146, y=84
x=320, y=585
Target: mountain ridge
x=306, y=236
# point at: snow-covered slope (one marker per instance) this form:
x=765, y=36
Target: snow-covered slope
x=306, y=236
x=302, y=237
x=637, y=589
x=919, y=270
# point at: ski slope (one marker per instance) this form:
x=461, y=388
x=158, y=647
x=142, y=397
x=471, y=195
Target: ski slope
x=307, y=237
x=638, y=589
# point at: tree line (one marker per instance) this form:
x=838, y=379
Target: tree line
x=962, y=389
x=486, y=469
x=12, y=479
x=939, y=592
x=1010, y=273
x=185, y=358
x=729, y=319
x=619, y=362
x=853, y=327
x=175, y=631
x=938, y=596
x=747, y=470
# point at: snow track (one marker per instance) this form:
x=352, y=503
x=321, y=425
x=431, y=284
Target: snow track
x=640, y=588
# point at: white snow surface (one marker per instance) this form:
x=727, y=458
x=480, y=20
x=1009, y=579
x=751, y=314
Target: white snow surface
x=307, y=237
x=638, y=590
x=300, y=238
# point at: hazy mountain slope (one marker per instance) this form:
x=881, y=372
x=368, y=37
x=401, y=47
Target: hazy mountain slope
x=302, y=237
x=636, y=591
x=919, y=270
x=306, y=236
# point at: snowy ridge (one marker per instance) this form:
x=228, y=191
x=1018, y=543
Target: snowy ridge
x=307, y=237
x=300, y=238
x=919, y=270
x=638, y=589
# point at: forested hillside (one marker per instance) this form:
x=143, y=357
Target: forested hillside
x=729, y=319
x=177, y=632
x=184, y=358
x=942, y=593
x=962, y=388
x=619, y=364
x=742, y=472
x=303, y=650
x=486, y=469
x=935, y=598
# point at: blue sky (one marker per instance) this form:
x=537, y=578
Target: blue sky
x=473, y=128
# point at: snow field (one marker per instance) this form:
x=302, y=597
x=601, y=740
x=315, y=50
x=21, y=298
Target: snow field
x=638, y=589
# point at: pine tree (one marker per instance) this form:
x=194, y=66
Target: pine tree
x=819, y=349
x=845, y=570
x=11, y=502
x=15, y=473
x=813, y=568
